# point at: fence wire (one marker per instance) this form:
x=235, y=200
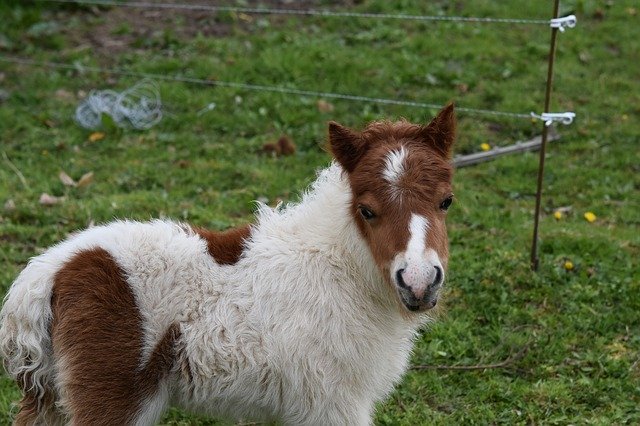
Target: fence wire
x=304, y=12
x=255, y=87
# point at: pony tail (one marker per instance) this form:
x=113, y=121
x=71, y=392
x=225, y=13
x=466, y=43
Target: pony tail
x=25, y=341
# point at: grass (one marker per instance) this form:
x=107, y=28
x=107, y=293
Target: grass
x=581, y=326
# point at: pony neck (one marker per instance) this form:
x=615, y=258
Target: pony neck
x=323, y=222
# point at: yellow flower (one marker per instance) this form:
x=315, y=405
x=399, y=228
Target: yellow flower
x=485, y=146
x=568, y=265
x=590, y=217
x=557, y=214
x=625, y=117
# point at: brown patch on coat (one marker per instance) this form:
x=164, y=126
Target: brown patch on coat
x=225, y=247
x=97, y=337
x=424, y=184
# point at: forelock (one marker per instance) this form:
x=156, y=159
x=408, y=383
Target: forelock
x=394, y=165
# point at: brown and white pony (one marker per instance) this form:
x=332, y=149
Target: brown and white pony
x=306, y=317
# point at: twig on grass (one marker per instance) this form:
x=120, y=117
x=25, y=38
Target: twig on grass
x=502, y=364
x=15, y=170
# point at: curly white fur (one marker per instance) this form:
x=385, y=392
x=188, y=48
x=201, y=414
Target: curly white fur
x=302, y=329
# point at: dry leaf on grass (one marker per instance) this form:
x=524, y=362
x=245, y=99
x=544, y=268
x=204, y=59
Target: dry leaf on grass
x=324, y=106
x=9, y=205
x=96, y=136
x=85, y=180
x=244, y=17
x=66, y=179
x=64, y=95
x=50, y=200
x=284, y=146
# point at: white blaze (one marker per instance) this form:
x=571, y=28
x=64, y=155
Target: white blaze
x=417, y=261
x=394, y=165
x=418, y=226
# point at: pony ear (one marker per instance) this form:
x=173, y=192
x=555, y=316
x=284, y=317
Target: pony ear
x=347, y=146
x=441, y=132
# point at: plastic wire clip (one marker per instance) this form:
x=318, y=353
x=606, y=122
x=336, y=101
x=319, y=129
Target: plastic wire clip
x=550, y=117
x=564, y=22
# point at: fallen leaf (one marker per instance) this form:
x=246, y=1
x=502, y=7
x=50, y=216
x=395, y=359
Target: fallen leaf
x=584, y=56
x=50, y=200
x=286, y=146
x=564, y=209
x=64, y=95
x=66, y=179
x=183, y=164
x=85, y=179
x=462, y=87
x=324, y=106
x=96, y=136
x=270, y=148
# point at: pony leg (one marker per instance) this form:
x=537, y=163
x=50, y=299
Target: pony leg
x=97, y=337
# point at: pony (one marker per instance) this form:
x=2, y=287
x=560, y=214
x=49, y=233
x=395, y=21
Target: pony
x=305, y=317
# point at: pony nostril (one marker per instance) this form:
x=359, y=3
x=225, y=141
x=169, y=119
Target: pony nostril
x=399, y=278
x=439, y=275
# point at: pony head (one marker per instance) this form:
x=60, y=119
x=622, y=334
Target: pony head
x=400, y=177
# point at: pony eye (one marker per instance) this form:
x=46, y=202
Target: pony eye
x=446, y=203
x=366, y=213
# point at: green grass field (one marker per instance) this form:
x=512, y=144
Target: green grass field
x=573, y=335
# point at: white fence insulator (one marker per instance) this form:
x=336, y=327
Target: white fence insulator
x=564, y=22
x=550, y=117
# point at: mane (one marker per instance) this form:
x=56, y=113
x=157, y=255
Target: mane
x=385, y=129
x=330, y=191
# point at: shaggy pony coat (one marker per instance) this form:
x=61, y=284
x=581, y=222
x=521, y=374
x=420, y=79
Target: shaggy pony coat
x=301, y=325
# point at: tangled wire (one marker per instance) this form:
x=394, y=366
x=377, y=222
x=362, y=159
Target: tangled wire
x=138, y=107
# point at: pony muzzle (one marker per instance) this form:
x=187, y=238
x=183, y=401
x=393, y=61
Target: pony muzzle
x=418, y=287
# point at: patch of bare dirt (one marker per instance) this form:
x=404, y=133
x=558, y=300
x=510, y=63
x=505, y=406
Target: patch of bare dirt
x=112, y=30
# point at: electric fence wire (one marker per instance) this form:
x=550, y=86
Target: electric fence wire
x=305, y=12
x=254, y=87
